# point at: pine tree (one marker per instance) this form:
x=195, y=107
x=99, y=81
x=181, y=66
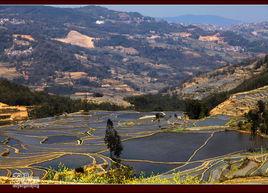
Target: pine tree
x=113, y=140
x=258, y=118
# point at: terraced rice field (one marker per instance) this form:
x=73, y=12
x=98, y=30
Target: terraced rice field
x=211, y=154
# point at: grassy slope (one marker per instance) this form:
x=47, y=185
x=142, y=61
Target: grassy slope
x=250, y=84
x=241, y=103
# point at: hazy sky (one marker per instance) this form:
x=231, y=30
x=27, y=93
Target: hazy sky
x=247, y=13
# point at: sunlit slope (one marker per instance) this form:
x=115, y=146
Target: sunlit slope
x=11, y=113
x=78, y=39
x=240, y=103
x=224, y=79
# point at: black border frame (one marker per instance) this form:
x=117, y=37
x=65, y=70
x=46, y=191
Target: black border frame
x=137, y=188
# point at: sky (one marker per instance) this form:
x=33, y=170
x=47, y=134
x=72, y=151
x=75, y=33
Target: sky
x=245, y=13
x=249, y=13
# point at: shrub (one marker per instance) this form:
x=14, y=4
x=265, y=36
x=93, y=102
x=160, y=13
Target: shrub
x=118, y=174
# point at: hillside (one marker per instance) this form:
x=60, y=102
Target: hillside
x=12, y=113
x=241, y=103
x=78, y=39
x=203, y=19
x=200, y=108
x=15, y=100
x=112, y=52
x=222, y=79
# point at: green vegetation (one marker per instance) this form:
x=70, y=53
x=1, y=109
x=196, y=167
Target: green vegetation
x=45, y=105
x=197, y=108
x=240, y=123
x=113, y=140
x=258, y=119
x=255, y=120
x=156, y=102
x=175, y=130
x=194, y=108
x=48, y=56
x=253, y=83
x=117, y=174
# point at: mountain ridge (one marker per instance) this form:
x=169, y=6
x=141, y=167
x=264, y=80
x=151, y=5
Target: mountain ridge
x=222, y=79
x=133, y=54
x=203, y=19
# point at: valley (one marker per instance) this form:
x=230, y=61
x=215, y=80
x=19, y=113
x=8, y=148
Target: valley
x=115, y=53
x=40, y=144
x=90, y=95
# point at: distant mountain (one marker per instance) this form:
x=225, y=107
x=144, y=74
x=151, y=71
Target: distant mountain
x=202, y=19
x=235, y=78
x=87, y=50
x=231, y=90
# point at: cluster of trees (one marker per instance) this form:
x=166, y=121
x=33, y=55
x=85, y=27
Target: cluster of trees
x=60, y=105
x=194, y=108
x=213, y=100
x=45, y=105
x=197, y=108
x=157, y=102
x=258, y=119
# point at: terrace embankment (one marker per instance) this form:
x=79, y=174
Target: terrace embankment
x=9, y=114
x=147, y=147
x=241, y=103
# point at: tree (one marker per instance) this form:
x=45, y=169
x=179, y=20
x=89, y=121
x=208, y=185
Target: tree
x=254, y=119
x=261, y=106
x=265, y=123
x=194, y=109
x=97, y=94
x=258, y=118
x=158, y=116
x=113, y=141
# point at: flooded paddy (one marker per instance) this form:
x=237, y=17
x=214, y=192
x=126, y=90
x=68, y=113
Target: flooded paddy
x=60, y=139
x=39, y=144
x=70, y=161
x=164, y=147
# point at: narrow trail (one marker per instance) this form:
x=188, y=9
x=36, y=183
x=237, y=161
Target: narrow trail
x=191, y=157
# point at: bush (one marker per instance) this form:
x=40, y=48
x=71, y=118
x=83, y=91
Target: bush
x=97, y=94
x=45, y=105
x=118, y=174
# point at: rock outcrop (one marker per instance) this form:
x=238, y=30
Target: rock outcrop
x=78, y=39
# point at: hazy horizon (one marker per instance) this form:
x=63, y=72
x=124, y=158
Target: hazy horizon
x=244, y=13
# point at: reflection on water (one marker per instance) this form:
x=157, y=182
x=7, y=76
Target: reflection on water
x=60, y=139
x=62, y=133
x=70, y=161
x=175, y=147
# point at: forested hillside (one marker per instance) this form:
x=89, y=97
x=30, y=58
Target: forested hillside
x=200, y=108
x=93, y=49
x=43, y=104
